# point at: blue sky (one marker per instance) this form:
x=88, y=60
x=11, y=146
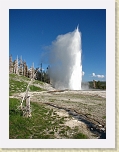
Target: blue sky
x=30, y=31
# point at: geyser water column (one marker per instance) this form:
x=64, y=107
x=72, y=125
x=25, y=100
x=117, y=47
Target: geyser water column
x=65, y=61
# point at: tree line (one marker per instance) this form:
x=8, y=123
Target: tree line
x=97, y=84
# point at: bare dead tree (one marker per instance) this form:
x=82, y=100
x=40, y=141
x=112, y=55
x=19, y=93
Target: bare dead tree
x=27, y=108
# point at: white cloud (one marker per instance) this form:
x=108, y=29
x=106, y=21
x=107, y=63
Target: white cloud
x=93, y=75
x=98, y=76
x=83, y=73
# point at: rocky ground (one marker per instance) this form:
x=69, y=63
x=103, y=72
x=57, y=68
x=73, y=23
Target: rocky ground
x=85, y=109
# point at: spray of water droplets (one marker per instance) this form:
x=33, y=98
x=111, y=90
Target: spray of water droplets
x=65, y=61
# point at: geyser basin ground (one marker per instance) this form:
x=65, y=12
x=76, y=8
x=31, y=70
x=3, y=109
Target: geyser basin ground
x=65, y=61
x=88, y=104
x=63, y=109
x=81, y=111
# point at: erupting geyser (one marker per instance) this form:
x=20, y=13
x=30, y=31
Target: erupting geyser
x=65, y=61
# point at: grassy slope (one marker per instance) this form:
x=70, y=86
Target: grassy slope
x=19, y=84
x=44, y=123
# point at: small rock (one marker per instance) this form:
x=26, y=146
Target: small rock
x=100, y=125
x=103, y=129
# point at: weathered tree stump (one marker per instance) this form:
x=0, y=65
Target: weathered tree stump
x=27, y=109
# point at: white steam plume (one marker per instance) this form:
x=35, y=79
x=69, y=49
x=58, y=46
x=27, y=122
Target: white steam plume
x=65, y=61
